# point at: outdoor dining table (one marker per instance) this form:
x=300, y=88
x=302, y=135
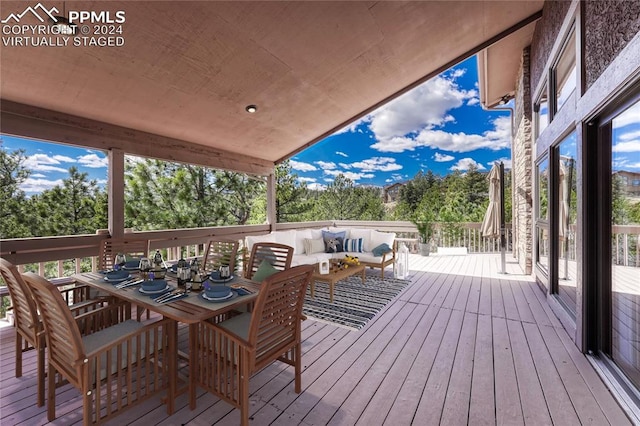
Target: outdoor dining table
x=190, y=310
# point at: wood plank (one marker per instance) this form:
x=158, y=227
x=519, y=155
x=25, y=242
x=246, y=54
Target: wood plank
x=435, y=391
x=508, y=405
x=380, y=403
x=407, y=399
x=558, y=402
x=482, y=406
x=456, y=404
x=534, y=407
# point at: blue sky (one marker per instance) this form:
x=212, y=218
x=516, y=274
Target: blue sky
x=438, y=126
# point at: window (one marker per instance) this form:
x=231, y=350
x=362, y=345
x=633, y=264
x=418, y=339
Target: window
x=541, y=109
x=542, y=215
x=566, y=211
x=565, y=73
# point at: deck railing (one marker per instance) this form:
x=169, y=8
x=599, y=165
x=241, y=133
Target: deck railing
x=57, y=257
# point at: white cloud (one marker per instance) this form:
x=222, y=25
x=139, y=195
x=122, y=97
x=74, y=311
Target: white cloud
x=425, y=106
x=630, y=135
x=303, y=167
x=45, y=163
x=465, y=163
x=506, y=161
x=459, y=72
x=344, y=165
x=93, y=161
x=350, y=128
x=341, y=153
x=632, y=146
x=317, y=187
x=354, y=176
x=473, y=101
x=306, y=179
x=326, y=165
x=443, y=158
x=39, y=185
x=633, y=165
x=495, y=139
x=630, y=116
x=381, y=164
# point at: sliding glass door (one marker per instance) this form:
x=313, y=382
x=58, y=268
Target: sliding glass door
x=624, y=231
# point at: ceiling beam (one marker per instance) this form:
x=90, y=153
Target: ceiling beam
x=42, y=124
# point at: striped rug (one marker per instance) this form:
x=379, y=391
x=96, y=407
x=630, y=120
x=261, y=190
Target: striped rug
x=354, y=303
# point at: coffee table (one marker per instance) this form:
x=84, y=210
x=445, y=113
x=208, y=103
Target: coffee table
x=333, y=277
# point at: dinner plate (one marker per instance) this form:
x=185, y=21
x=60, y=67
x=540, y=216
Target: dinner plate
x=117, y=276
x=204, y=297
x=167, y=288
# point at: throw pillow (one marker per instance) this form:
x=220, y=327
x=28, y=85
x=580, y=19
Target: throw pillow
x=381, y=249
x=313, y=245
x=333, y=242
x=264, y=271
x=354, y=245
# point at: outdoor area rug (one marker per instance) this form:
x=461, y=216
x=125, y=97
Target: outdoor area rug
x=354, y=303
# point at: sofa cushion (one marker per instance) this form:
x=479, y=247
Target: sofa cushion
x=381, y=249
x=312, y=246
x=353, y=245
x=365, y=234
x=364, y=257
x=301, y=235
x=252, y=239
x=378, y=238
x=335, y=230
x=288, y=238
x=309, y=259
x=333, y=241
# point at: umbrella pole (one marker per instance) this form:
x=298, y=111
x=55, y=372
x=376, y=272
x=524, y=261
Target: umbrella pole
x=503, y=241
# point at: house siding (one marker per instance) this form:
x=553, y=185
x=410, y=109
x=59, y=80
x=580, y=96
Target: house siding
x=609, y=26
x=544, y=36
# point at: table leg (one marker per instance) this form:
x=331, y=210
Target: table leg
x=331, y=285
x=313, y=287
x=363, y=274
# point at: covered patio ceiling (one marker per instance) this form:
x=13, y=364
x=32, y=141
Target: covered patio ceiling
x=180, y=84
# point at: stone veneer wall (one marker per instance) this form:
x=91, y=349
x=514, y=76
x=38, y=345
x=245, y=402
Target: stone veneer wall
x=609, y=26
x=521, y=154
x=545, y=34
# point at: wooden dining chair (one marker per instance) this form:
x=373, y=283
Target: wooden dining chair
x=114, y=368
x=131, y=247
x=278, y=255
x=229, y=352
x=220, y=252
x=92, y=315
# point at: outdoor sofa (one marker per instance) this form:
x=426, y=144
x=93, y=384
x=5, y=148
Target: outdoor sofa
x=311, y=246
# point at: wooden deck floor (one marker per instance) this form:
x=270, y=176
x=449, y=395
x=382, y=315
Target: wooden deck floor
x=462, y=344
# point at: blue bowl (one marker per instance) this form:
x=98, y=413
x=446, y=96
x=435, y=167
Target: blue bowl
x=154, y=285
x=117, y=275
x=217, y=290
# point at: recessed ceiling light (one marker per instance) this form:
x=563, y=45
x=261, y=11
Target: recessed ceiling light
x=251, y=109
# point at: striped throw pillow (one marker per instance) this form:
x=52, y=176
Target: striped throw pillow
x=353, y=245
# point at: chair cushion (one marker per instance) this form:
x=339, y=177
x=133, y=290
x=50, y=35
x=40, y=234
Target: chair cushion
x=264, y=271
x=252, y=239
x=378, y=238
x=238, y=325
x=288, y=238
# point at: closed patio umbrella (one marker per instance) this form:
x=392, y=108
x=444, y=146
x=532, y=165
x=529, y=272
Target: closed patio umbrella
x=491, y=223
